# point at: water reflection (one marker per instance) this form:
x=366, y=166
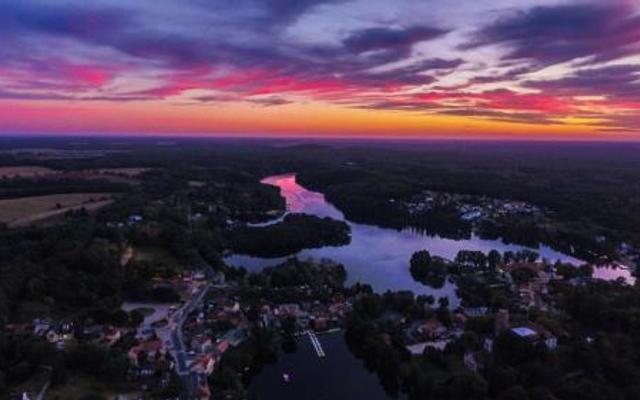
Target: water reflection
x=378, y=256
x=614, y=271
x=337, y=376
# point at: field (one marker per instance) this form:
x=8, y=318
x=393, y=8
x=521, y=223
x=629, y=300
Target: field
x=129, y=172
x=27, y=210
x=153, y=254
x=27, y=171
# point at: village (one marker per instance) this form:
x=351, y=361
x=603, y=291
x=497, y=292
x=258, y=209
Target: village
x=472, y=209
x=189, y=340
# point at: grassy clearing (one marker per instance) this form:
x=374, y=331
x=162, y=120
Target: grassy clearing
x=129, y=172
x=196, y=184
x=153, y=254
x=27, y=210
x=27, y=171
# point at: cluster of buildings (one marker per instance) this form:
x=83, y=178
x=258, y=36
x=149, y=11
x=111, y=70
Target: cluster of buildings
x=534, y=292
x=308, y=315
x=471, y=208
x=432, y=333
x=526, y=294
x=62, y=333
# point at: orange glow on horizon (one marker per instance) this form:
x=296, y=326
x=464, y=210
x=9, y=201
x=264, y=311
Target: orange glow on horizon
x=311, y=119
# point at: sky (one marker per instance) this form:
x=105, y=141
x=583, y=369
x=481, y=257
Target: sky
x=550, y=69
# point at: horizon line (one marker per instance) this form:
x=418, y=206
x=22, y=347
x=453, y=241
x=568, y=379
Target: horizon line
x=308, y=137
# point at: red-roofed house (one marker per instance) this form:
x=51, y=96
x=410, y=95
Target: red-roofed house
x=203, y=364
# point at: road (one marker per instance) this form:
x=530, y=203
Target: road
x=177, y=348
x=172, y=334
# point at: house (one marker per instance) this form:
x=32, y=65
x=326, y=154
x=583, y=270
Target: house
x=475, y=312
x=537, y=335
x=551, y=342
x=416, y=348
x=203, y=364
x=203, y=392
x=19, y=329
x=292, y=310
x=146, y=333
x=471, y=216
x=152, y=349
x=432, y=329
x=525, y=332
x=470, y=361
x=501, y=322
x=201, y=343
x=222, y=346
x=92, y=332
x=40, y=327
x=112, y=335
x=134, y=219
x=232, y=309
x=52, y=336
x=460, y=320
x=320, y=324
x=198, y=276
x=235, y=337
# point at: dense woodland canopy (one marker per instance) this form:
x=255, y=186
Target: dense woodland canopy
x=296, y=232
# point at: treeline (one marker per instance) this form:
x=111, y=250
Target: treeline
x=24, y=187
x=583, y=185
x=295, y=233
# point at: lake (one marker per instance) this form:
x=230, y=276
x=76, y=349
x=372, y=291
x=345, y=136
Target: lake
x=377, y=256
x=339, y=375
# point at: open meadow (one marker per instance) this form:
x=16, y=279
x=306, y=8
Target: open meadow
x=27, y=171
x=27, y=210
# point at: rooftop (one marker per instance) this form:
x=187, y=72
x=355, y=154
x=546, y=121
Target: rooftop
x=524, y=331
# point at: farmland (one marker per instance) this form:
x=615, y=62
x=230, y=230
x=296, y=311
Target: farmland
x=27, y=210
x=129, y=172
x=28, y=171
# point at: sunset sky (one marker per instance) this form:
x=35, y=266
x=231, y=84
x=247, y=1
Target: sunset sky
x=355, y=68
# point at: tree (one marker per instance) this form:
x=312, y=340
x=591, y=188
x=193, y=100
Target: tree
x=421, y=259
x=514, y=393
x=428, y=270
x=174, y=388
x=466, y=386
x=93, y=396
x=474, y=258
x=444, y=316
x=3, y=385
x=369, y=305
x=494, y=259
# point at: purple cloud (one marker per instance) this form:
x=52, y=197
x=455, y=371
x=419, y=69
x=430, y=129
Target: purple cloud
x=619, y=82
x=552, y=34
x=385, y=38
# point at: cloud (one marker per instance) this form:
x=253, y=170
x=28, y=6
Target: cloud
x=270, y=53
x=619, y=82
x=80, y=21
x=552, y=34
x=373, y=39
x=270, y=101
